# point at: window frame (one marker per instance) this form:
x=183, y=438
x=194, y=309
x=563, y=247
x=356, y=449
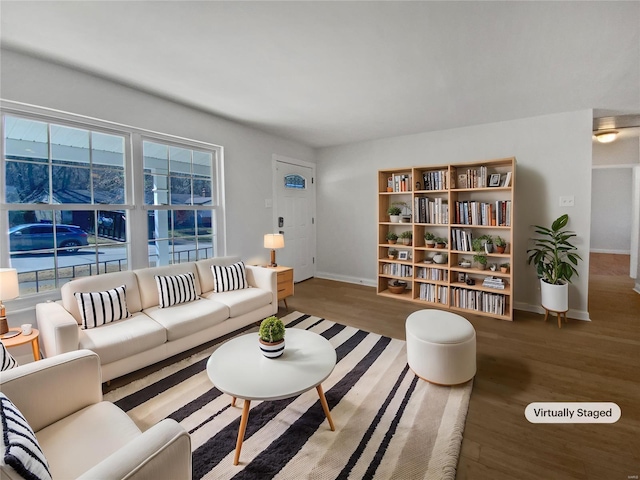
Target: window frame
x=137, y=244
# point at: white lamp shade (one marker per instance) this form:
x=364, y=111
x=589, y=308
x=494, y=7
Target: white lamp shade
x=274, y=240
x=9, y=287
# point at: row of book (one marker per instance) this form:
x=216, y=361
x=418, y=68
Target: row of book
x=396, y=269
x=493, y=282
x=487, y=302
x=399, y=183
x=435, y=180
x=430, y=211
x=437, y=274
x=433, y=293
x=461, y=240
x=472, y=178
x=483, y=213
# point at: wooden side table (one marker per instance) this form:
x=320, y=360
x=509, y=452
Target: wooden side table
x=285, y=283
x=22, y=339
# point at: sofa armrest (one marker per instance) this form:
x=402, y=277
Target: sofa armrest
x=50, y=389
x=265, y=278
x=58, y=329
x=161, y=452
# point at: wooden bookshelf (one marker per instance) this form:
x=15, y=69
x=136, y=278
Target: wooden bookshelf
x=458, y=202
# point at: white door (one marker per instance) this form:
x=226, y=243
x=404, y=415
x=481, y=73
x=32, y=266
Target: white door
x=294, y=213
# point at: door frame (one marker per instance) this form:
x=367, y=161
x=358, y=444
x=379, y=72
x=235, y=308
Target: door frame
x=275, y=158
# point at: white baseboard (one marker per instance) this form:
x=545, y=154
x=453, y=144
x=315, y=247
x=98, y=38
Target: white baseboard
x=572, y=313
x=344, y=278
x=614, y=252
x=637, y=288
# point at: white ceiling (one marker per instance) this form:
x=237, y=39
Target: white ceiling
x=330, y=73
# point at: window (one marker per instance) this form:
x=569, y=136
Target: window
x=295, y=181
x=178, y=177
x=67, y=197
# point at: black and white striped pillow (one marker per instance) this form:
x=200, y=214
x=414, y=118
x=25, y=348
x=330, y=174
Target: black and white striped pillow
x=174, y=289
x=21, y=449
x=7, y=361
x=100, y=308
x=233, y=277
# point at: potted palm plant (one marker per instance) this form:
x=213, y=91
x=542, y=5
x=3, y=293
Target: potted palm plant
x=555, y=259
x=271, y=337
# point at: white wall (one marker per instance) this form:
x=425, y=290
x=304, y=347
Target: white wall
x=554, y=156
x=612, y=195
x=247, y=151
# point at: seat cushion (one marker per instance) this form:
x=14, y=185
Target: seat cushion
x=123, y=338
x=242, y=301
x=187, y=318
x=80, y=441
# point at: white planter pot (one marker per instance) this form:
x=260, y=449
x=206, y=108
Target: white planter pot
x=271, y=350
x=554, y=297
x=394, y=218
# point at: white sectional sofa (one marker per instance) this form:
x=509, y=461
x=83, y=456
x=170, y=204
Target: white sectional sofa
x=153, y=333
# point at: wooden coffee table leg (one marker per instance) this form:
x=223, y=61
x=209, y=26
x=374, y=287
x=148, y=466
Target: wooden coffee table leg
x=241, y=430
x=233, y=401
x=325, y=407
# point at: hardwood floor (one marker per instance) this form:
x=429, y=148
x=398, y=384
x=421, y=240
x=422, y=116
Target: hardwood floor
x=527, y=361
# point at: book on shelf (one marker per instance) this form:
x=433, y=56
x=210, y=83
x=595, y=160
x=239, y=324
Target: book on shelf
x=494, y=282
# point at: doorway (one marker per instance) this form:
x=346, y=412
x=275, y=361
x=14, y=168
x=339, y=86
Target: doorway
x=294, y=214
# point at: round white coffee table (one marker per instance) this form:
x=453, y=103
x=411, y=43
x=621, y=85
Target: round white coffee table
x=239, y=369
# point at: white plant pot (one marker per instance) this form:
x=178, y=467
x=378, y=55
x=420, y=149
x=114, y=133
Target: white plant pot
x=272, y=350
x=394, y=218
x=554, y=297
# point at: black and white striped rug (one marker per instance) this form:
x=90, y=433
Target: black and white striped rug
x=389, y=424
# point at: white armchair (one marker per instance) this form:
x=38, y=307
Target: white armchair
x=84, y=437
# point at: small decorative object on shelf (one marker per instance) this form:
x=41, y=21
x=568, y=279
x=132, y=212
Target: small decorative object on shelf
x=392, y=238
x=393, y=253
x=397, y=286
x=501, y=244
x=271, y=337
x=406, y=237
x=440, y=242
x=394, y=214
x=504, y=267
x=429, y=239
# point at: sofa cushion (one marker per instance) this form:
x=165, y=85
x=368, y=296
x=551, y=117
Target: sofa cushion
x=174, y=289
x=80, y=441
x=99, y=308
x=147, y=281
x=241, y=301
x=21, y=450
x=204, y=270
x=98, y=283
x=7, y=362
x=186, y=318
x=123, y=338
x=227, y=278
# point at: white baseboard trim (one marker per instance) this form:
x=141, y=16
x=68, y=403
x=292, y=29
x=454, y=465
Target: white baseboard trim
x=344, y=278
x=575, y=314
x=637, y=288
x=614, y=252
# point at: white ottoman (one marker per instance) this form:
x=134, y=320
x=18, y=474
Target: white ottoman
x=441, y=347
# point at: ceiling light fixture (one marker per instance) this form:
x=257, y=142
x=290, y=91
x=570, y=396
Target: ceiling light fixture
x=606, y=136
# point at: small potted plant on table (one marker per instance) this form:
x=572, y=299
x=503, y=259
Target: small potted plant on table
x=271, y=337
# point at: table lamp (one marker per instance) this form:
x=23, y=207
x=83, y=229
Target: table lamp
x=273, y=241
x=9, y=289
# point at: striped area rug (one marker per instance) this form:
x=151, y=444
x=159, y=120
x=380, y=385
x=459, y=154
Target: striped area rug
x=389, y=424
